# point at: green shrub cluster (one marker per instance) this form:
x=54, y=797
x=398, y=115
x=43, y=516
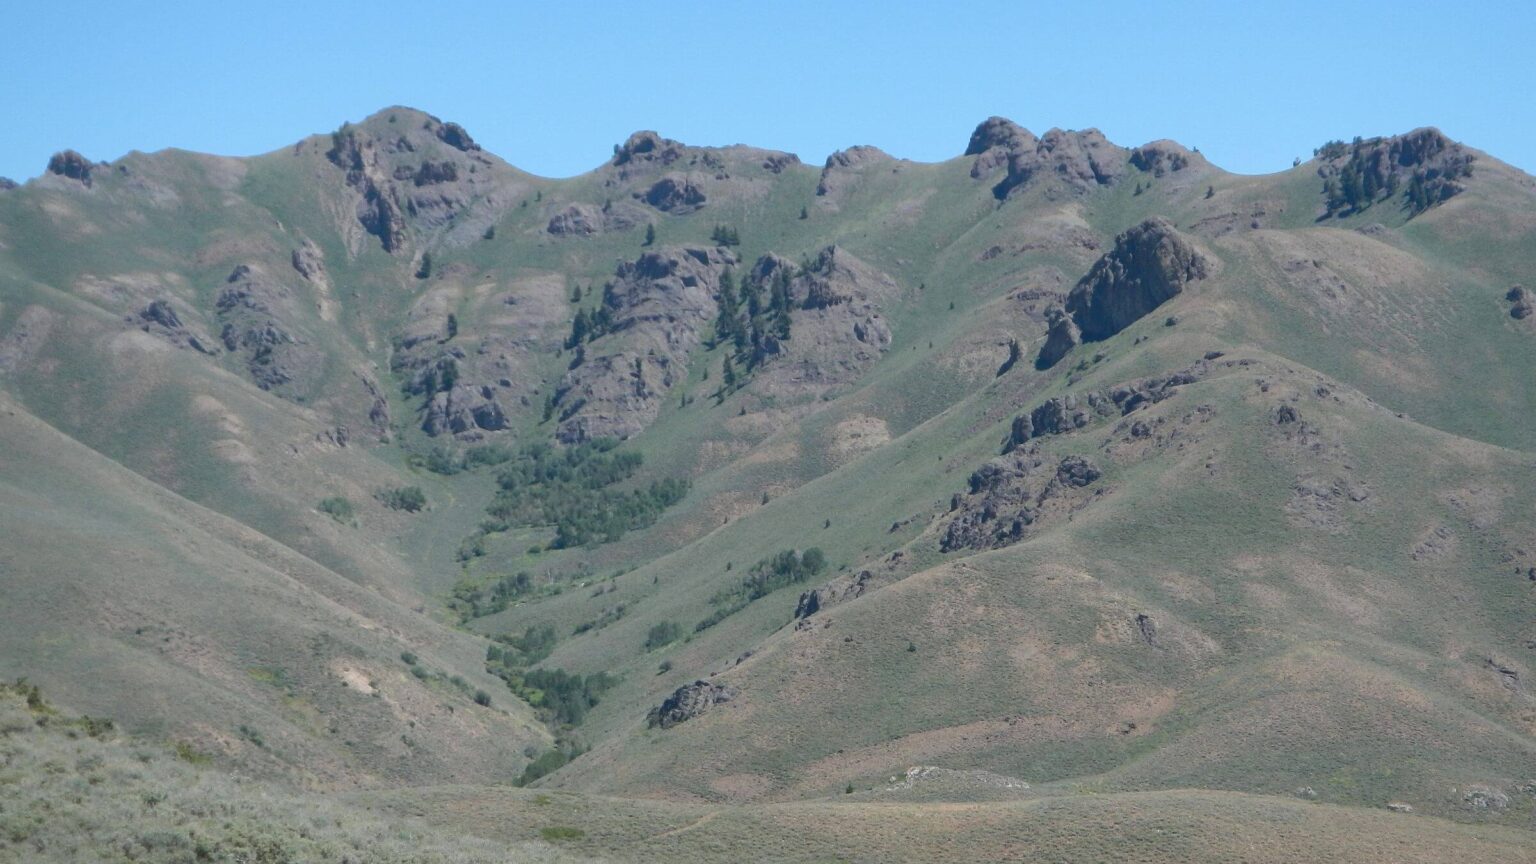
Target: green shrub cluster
x=474, y=599
x=662, y=634
x=753, y=321
x=408, y=498
x=337, y=508
x=572, y=490
x=766, y=576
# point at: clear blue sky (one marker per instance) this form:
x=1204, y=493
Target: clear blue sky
x=551, y=86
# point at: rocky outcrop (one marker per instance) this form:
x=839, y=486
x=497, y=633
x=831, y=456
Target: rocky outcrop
x=1064, y=414
x=1423, y=167
x=463, y=408
x=254, y=310
x=456, y=137
x=689, y=701
x=838, y=590
x=413, y=174
x=1077, y=161
x=586, y=220
x=1162, y=157
x=837, y=330
x=309, y=261
x=844, y=167
x=1150, y=264
x=656, y=306
x=7, y=184
x=1011, y=493
x=161, y=319
x=1052, y=417
x=647, y=148
x=71, y=165
x=778, y=163
x=993, y=141
x=674, y=193
x=1061, y=335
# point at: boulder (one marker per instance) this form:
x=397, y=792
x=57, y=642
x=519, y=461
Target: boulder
x=689, y=701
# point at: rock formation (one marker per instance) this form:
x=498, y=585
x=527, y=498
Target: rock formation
x=657, y=306
x=1150, y=264
x=71, y=165
x=689, y=701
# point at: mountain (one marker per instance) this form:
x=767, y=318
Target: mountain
x=747, y=509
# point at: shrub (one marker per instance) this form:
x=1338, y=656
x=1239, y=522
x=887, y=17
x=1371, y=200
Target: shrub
x=337, y=508
x=408, y=498
x=482, y=698
x=408, y=658
x=548, y=763
x=766, y=576
x=662, y=634
x=561, y=832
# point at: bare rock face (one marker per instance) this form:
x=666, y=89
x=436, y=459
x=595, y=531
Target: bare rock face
x=844, y=166
x=657, y=306
x=689, y=701
x=674, y=193
x=1078, y=161
x=71, y=165
x=1163, y=157
x=1011, y=493
x=837, y=330
x=994, y=140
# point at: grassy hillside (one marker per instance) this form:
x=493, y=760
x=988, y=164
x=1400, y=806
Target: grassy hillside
x=301, y=473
